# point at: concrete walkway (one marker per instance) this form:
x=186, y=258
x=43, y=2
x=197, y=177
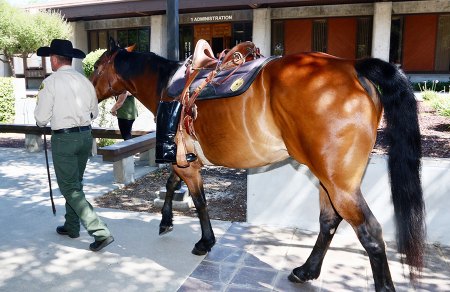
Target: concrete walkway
x=246, y=257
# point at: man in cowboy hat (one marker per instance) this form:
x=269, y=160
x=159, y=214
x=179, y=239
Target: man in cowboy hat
x=68, y=101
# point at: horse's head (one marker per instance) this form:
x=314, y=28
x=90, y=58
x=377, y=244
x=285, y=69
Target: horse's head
x=105, y=79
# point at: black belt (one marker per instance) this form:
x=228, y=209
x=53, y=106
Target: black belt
x=72, y=130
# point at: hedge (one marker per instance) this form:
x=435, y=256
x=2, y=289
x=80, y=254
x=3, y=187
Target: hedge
x=7, y=100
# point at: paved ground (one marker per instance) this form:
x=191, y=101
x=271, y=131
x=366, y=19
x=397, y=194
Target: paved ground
x=246, y=258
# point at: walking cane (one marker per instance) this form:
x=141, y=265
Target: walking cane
x=48, y=175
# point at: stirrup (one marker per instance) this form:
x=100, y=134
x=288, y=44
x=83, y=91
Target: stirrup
x=191, y=157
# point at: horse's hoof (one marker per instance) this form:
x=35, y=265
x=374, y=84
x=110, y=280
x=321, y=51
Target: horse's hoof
x=293, y=278
x=165, y=229
x=199, y=252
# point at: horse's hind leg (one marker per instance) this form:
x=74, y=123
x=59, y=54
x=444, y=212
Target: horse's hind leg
x=353, y=208
x=173, y=183
x=329, y=221
x=191, y=176
x=370, y=235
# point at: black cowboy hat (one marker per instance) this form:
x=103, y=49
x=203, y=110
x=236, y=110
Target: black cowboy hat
x=61, y=48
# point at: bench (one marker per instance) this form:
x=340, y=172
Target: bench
x=122, y=155
x=33, y=134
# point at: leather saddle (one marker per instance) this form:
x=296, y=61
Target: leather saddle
x=237, y=84
x=203, y=57
x=235, y=71
x=204, y=76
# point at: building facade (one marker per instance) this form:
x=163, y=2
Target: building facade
x=415, y=35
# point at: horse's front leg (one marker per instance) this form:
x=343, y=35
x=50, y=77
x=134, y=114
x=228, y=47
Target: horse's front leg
x=173, y=184
x=191, y=176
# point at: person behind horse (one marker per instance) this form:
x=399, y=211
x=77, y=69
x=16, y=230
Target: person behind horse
x=68, y=101
x=126, y=112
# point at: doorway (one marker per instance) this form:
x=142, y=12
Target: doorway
x=218, y=35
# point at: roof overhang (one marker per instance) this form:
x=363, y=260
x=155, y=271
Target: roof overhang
x=74, y=10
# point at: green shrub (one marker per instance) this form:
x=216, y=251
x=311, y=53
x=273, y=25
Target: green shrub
x=89, y=61
x=7, y=100
x=440, y=101
x=442, y=104
x=102, y=142
x=429, y=95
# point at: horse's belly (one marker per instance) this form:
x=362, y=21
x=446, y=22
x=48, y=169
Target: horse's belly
x=239, y=132
x=240, y=150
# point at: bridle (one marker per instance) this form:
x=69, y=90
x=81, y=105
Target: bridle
x=100, y=73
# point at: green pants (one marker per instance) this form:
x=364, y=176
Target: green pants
x=70, y=152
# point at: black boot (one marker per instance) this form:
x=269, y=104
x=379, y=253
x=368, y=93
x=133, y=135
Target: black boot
x=167, y=120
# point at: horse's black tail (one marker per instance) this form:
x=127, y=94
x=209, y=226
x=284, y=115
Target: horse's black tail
x=403, y=134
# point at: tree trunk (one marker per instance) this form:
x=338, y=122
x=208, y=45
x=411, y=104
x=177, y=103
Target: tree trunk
x=11, y=64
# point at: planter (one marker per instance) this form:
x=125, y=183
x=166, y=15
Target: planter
x=286, y=194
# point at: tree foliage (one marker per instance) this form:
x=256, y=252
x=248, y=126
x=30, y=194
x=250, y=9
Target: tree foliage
x=23, y=32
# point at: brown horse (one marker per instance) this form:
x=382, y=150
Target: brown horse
x=320, y=110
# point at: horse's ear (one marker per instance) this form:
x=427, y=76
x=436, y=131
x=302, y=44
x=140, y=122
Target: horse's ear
x=130, y=48
x=112, y=45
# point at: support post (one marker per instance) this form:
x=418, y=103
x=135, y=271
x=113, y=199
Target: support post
x=173, y=39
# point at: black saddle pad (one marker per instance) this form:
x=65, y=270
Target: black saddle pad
x=237, y=84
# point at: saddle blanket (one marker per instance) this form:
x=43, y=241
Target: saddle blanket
x=237, y=84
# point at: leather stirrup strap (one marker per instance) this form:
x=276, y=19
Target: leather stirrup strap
x=181, y=147
x=185, y=101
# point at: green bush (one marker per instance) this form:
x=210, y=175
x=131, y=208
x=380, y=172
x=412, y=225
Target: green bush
x=102, y=142
x=7, y=100
x=89, y=61
x=441, y=103
x=429, y=95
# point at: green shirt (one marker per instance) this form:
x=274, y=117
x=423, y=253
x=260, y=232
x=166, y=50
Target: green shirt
x=128, y=110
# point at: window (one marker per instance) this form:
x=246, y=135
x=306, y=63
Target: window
x=319, y=41
x=242, y=32
x=186, y=41
x=442, y=62
x=363, y=37
x=395, y=50
x=138, y=36
x=98, y=39
x=277, y=45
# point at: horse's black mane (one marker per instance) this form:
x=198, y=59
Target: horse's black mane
x=132, y=64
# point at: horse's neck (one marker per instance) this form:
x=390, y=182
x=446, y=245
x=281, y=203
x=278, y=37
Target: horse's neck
x=149, y=89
